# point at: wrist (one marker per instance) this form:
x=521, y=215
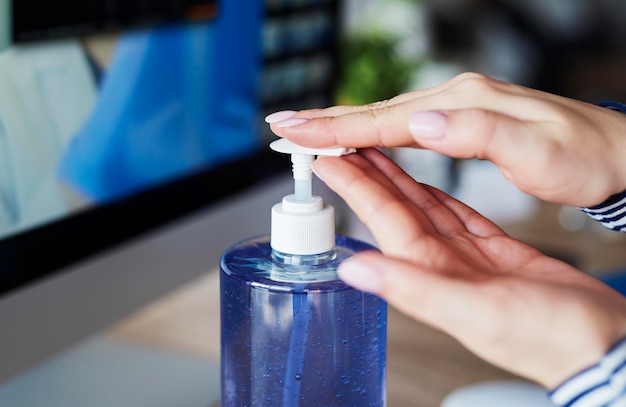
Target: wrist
x=602, y=382
x=618, y=186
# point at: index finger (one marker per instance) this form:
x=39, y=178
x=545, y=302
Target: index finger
x=384, y=126
x=395, y=221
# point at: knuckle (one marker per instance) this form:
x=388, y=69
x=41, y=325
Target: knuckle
x=376, y=120
x=468, y=76
x=332, y=128
x=478, y=83
x=381, y=104
x=318, y=113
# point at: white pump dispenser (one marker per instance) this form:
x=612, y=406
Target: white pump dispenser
x=302, y=223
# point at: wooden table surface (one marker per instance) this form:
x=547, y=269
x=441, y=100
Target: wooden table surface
x=424, y=365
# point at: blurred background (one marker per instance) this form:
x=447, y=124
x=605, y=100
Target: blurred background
x=574, y=48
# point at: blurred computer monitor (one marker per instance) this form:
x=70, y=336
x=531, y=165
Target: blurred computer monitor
x=132, y=150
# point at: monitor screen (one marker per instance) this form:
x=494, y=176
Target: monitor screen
x=121, y=120
x=91, y=127
x=106, y=133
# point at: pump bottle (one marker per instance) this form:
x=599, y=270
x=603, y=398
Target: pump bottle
x=292, y=333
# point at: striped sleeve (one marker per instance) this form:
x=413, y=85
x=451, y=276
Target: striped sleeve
x=602, y=385
x=611, y=213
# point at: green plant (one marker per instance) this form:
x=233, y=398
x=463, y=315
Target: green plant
x=371, y=70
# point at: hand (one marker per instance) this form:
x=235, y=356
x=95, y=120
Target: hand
x=557, y=149
x=445, y=265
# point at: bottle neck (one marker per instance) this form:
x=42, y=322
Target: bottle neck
x=304, y=259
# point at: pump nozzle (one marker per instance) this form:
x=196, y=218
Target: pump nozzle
x=302, y=223
x=302, y=159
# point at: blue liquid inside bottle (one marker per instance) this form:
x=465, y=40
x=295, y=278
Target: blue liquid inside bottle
x=293, y=334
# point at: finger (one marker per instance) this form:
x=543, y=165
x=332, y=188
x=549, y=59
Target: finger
x=402, y=228
x=473, y=221
x=473, y=133
x=520, y=149
x=384, y=126
x=443, y=302
x=443, y=219
x=394, y=220
x=335, y=111
x=448, y=215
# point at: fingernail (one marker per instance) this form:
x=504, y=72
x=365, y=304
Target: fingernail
x=279, y=116
x=290, y=122
x=428, y=125
x=361, y=276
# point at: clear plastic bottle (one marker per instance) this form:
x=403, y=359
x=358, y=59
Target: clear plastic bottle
x=292, y=333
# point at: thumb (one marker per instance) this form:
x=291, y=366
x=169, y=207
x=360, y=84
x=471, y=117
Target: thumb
x=475, y=133
x=432, y=298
